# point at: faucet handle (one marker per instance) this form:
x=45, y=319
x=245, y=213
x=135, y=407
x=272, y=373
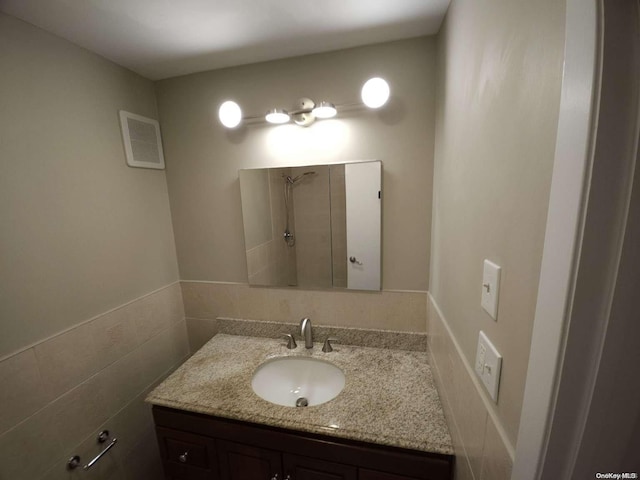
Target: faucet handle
x=326, y=348
x=291, y=342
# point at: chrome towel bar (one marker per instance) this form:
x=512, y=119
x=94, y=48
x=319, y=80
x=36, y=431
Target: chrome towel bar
x=74, y=462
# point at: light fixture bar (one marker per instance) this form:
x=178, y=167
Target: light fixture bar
x=375, y=93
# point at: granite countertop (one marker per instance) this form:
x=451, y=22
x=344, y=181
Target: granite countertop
x=389, y=396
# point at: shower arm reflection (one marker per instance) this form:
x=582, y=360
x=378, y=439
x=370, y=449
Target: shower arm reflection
x=289, y=182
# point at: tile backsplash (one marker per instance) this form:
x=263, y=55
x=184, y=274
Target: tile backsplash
x=344, y=335
x=400, y=311
x=58, y=394
x=386, y=310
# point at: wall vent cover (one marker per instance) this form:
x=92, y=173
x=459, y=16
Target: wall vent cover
x=142, y=142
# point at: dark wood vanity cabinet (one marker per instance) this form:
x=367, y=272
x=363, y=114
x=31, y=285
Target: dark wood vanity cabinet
x=195, y=446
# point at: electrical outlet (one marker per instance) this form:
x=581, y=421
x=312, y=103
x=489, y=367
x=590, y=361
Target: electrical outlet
x=490, y=288
x=488, y=365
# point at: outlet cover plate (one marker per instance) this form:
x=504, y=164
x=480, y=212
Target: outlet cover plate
x=488, y=365
x=490, y=288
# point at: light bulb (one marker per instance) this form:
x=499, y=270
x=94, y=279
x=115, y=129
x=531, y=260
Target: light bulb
x=325, y=110
x=375, y=92
x=230, y=114
x=277, y=115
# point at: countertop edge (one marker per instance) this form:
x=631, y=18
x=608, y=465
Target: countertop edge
x=267, y=421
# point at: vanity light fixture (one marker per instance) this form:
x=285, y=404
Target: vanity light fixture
x=375, y=93
x=277, y=116
x=324, y=110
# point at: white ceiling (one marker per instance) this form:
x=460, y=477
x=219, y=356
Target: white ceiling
x=165, y=38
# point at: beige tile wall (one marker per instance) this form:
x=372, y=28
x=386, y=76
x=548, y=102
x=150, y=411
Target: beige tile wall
x=266, y=264
x=386, y=310
x=57, y=395
x=482, y=453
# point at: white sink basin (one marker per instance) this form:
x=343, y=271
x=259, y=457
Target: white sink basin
x=290, y=380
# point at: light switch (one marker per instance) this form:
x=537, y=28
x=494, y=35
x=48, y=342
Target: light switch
x=490, y=288
x=488, y=365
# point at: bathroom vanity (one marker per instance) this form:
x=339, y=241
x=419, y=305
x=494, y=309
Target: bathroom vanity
x=196, y=446
x=386, y=423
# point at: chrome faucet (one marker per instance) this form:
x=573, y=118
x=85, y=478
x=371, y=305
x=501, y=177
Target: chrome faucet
x=305, y=331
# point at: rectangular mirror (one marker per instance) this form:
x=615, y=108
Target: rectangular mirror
x=314, y=226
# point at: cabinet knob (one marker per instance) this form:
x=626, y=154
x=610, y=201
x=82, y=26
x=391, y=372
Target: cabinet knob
x=183, y=457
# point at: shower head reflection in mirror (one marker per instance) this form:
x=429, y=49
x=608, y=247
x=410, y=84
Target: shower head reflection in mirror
x=289, y=235
x=298, y=231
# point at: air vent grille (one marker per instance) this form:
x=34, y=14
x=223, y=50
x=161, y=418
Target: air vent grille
x=142, y=143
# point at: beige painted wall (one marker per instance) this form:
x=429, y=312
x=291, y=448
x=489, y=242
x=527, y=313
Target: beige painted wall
x=203, y=158
x=81, y=232
x=499, y=75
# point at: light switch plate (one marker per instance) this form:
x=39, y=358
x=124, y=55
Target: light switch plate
x=488, y=365
x=490, y=288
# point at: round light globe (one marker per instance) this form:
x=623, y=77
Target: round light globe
x=375, y=92
x=230, y=114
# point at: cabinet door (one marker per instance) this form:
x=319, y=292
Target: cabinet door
x=373, y=475
x=186, y=456
x=242, y=462
x=304, y=468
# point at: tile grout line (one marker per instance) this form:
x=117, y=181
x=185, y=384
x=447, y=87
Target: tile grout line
x=90, y=377
x=84, y=322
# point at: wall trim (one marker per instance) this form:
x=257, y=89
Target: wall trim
x=84, y=322
x=488, y=404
